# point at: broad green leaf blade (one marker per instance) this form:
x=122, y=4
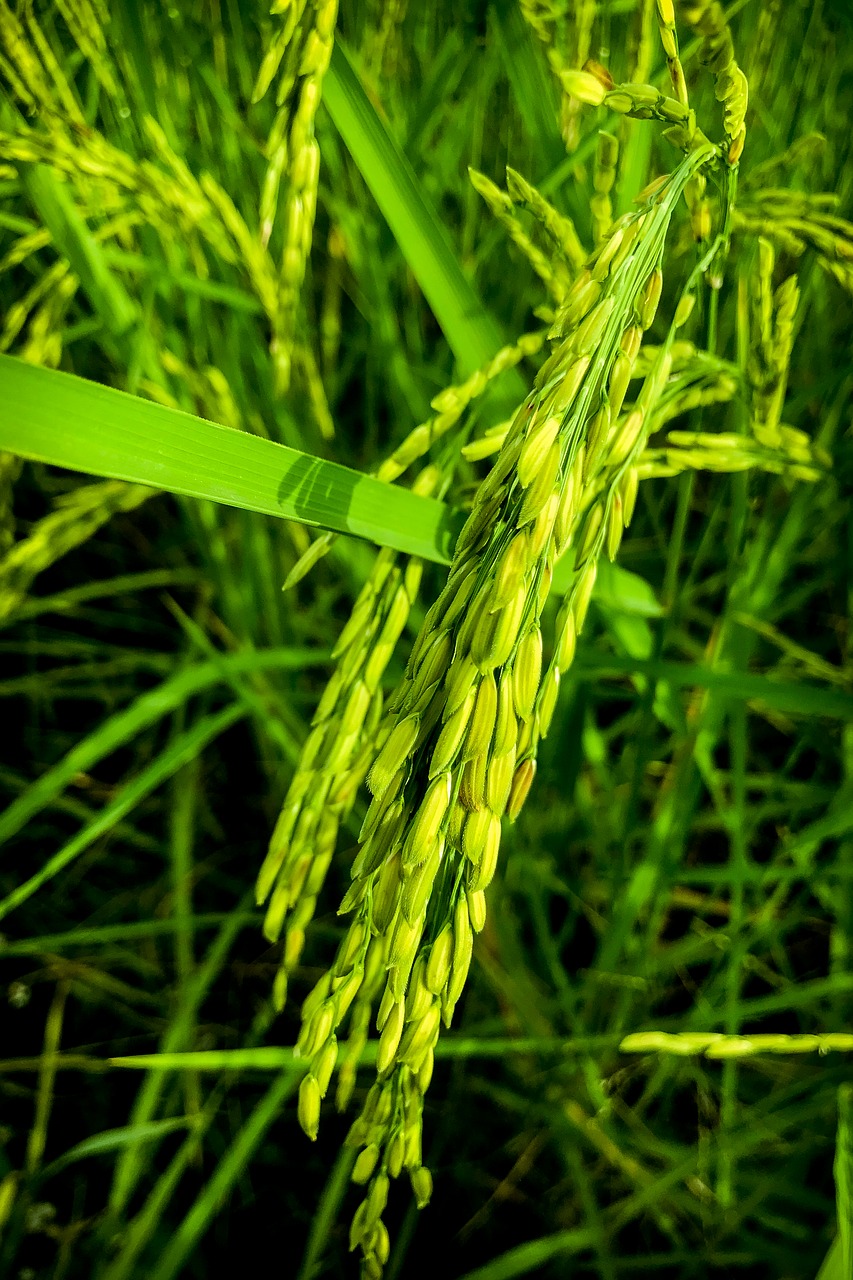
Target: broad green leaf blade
x=58, y=418
x=469, y=329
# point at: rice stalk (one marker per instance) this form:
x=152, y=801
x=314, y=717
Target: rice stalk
x=456, y=750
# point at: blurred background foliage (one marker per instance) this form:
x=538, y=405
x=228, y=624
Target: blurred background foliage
x=685, y=862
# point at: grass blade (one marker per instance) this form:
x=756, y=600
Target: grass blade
x=844, y=1178
x=469, y=329
x=132, y=1160
x=183, y=749
x=121, y=933
x=125, y=725
x=230, y=1167
x=115, y=1140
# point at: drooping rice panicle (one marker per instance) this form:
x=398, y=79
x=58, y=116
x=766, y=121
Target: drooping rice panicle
x=383, y=52
x=330, y=313
x=805, y=151
x=708, y=19
x=86, y=25
x=162, y=193
x=324, y=787
x=773, y=314
x=305, y=362
x=32, y=70
x=716, y=1044
x=646, y=102
x=796, y=221
x=210, y=391
x=669, y=40
x=795, y=456
x=584, y=14
x=451, y=403
x=701, y=379
x=764, y=43
x=456, y=752
x=184, y=215
x=459, y=741
x=565, y=32
x=203, y=208
x=335, y=756
x=641, y=102
x=299, y=56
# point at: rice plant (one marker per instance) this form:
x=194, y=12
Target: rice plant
x=438, y=703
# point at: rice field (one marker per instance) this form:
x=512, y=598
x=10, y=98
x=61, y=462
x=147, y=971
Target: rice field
x=425, y=586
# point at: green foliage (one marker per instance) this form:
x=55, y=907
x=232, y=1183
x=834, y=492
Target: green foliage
x=648, y=1069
